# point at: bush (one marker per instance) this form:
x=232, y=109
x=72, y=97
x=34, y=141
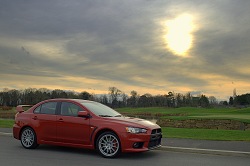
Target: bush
x=5, y=108
x=7, y=115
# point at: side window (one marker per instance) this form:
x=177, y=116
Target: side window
x=48, y=108
x=37, y=110
x=70, y=109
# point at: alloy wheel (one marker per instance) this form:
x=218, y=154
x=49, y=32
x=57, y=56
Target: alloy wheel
x=108, y=145
x=28, y=138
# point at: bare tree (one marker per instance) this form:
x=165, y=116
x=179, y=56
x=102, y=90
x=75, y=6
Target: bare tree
x=114, y=94
x=212, y=100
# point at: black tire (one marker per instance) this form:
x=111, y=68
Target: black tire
x=28, y=138
x=108, y=145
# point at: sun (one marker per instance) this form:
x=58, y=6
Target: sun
x=179, y=36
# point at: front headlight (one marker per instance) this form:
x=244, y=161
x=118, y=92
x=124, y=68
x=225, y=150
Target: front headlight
x=135, y=130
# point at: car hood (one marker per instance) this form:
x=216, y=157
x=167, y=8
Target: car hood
x=135, y=122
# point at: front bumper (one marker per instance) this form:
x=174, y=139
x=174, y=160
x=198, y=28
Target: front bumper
x=141, y=142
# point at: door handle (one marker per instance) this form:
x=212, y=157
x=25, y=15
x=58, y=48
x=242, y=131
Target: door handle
x=35, y=118
x=60, y=120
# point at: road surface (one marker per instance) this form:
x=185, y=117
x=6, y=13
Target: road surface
x=12, y=153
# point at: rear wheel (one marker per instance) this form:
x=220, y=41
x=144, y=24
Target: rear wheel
x=28, y=138
x=108, y=145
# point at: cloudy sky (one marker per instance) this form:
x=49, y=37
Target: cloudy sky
x=150, y=46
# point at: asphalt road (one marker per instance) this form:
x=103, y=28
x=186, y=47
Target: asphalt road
x=242, y=146
x=12, y=153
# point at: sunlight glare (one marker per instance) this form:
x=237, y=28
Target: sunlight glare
x=179, y=34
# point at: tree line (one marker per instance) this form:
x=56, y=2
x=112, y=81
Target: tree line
x=114, y=98
x=243, y=100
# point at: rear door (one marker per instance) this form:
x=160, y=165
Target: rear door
x=72, y=129
x=44, y=120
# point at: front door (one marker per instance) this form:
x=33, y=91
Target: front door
x=72, y=129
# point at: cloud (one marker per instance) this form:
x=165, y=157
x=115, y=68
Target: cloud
x=97, y=44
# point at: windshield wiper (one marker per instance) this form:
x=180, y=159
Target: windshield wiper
x=105, y=116
x=118, y=116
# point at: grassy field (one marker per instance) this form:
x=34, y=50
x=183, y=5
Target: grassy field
x=182, y=113
x=242, y=115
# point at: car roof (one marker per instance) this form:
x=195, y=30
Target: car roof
x=76, y=100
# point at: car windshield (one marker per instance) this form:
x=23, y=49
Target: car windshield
x=101, y=110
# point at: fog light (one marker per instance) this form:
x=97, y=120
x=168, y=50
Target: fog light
x=137, y=145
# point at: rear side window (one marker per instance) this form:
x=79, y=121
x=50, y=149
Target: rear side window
x=37, y=110
x=48, y=108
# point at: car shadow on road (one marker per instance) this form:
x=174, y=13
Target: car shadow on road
x=93, y=153
x=138, y=156
x=62, y=149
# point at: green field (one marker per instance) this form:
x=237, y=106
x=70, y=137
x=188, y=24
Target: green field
x=182, y=113
x=242, y=115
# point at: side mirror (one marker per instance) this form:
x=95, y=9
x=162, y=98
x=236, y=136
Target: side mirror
x=83, y=114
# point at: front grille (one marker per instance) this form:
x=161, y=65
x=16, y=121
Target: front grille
x=155, y=131
x=155, y=139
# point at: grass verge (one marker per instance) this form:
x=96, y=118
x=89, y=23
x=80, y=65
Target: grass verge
x=206, y=134
x=6, y=123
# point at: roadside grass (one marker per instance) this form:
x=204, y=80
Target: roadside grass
x=206, y=134
x=6, y=123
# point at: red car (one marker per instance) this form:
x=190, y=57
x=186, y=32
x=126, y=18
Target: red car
x=84, y=124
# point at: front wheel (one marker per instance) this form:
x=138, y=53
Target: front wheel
x=108, y=145
x=28, y=138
